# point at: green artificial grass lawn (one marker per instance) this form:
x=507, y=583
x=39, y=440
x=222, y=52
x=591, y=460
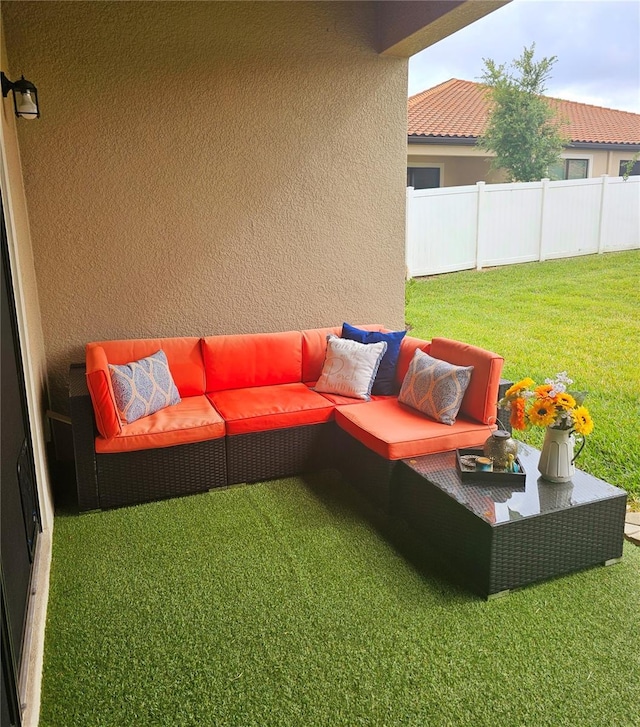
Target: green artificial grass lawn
x=281, y=604
x=580, y=315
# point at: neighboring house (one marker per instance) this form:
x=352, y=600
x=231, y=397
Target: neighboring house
x=445, y=122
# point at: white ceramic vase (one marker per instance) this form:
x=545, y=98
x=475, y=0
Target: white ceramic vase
x=556, y=458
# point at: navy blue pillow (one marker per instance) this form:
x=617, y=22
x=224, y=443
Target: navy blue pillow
x=385, y=381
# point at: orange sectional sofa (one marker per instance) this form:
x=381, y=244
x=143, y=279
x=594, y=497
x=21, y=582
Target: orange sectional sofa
x=248, y=412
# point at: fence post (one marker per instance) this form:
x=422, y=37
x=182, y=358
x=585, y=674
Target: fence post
x=603, y=208
x=479, y=231
x=543, y=199
x=408, y=237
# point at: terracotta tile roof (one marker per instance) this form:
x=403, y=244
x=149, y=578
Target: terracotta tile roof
x=458, y=109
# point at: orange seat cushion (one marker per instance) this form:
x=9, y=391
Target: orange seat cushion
x=338, y=400
x=395, y=431
x=256, y=359
x=259, y=408
x=481, y=397
x=192, y=420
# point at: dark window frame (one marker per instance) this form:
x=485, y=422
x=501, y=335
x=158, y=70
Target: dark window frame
x=635, y=170
x=411, y=174
x=566, y=163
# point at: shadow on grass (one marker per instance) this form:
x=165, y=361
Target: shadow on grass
x=339, y=496
x=340, y=499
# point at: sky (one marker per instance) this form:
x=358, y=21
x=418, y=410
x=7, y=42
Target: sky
x=597, y=44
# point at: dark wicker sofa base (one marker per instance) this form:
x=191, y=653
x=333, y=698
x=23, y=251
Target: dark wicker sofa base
x=280, y=452
x=128, y=478
x=366, y=470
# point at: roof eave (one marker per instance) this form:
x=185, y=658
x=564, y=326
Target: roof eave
x=472, y=141
x=453, y=140
x=604, y=145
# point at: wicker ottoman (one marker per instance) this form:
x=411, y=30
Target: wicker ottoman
x=496, y=537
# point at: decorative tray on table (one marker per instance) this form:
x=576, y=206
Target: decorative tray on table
x=466, y=464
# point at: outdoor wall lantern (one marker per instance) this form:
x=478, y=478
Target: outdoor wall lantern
x=25, y=97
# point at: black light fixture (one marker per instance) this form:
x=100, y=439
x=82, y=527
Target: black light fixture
x=25, y=97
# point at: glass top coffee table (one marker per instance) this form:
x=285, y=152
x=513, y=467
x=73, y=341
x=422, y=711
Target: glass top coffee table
x=502, y=536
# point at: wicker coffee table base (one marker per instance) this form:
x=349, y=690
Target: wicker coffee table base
x=493, y=558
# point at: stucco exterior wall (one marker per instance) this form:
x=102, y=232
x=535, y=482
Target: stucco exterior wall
x=608, y=162
x=463, y=165
x=458, y=171
x=195, y=170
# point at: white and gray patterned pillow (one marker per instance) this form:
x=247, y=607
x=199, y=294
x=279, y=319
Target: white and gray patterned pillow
x=435, y=387
x=143, y=387
x=350, y=367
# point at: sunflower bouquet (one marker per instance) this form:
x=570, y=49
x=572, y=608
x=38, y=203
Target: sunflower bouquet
x=549, y=405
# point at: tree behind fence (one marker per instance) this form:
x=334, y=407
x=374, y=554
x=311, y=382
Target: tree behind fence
x=482, y=225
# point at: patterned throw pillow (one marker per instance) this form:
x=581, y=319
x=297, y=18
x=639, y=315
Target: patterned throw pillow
x=350, y=367
x=385, y=381
x=435, y=387
x=143, y=387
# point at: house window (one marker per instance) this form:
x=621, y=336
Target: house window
x=423, y=177
x=635, y=169
x=569, y=169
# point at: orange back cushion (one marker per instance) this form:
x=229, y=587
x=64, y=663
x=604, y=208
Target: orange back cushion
x=314, y=349
x=254, y=359
x=407, y=349
x=481, y=398
x=184, y=356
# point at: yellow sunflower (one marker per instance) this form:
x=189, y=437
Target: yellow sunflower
x=566, y=401
x=583, y=421
x=520, y=386
x=543, y=413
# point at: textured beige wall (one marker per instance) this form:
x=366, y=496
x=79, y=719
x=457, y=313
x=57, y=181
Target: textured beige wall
x=207, y=167
x=608, y=162
x=456, y=170
x=464, y=165
x=469, y=171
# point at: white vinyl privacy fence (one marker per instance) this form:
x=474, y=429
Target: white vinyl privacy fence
x=458, y=228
